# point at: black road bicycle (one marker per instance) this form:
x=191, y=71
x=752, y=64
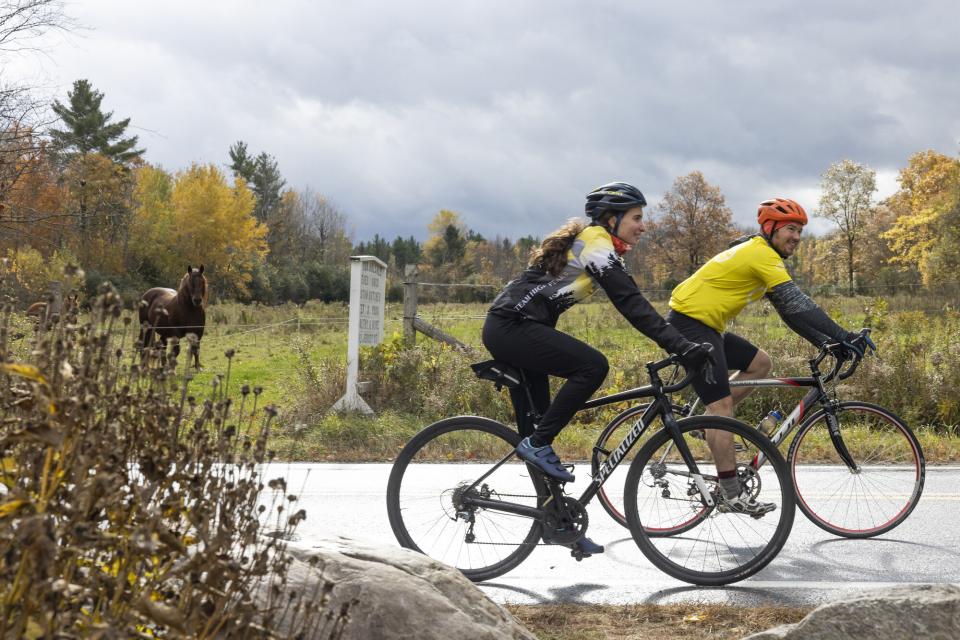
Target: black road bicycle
x=856, y=468
x=458, y=493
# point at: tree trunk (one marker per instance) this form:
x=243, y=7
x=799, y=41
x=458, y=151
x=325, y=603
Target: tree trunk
x=849, y=266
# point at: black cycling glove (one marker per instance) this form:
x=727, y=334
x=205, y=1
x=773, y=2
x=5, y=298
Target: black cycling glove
x=855, y=346
x=699, y=357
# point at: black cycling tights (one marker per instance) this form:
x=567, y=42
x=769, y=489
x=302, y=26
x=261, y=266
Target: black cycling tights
x=541, y=350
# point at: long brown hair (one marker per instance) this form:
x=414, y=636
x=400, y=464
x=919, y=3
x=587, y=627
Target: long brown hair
x=551, y=255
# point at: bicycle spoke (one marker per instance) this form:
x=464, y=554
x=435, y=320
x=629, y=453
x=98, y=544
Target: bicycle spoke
x=879, y=494
x=722, y=547
x=431, y=491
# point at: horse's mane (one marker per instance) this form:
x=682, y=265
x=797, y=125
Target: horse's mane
x=184, y=281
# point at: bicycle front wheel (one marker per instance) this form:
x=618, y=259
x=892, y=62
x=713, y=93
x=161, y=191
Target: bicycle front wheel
x=882, y=488
x=610, y=493
x=428, y=485
x=725, y=546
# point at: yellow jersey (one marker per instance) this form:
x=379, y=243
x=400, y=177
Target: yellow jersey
x=721, y=288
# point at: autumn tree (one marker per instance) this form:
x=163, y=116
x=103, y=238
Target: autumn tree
x=926, y=232
x=99, y=197
x=32, y=202
x=447, y=242
x=88, y=129
x=694, y=224
x=875, y=256
x=22, y=115
x=153, y=226
x=847, y=191
x=308, y=226
x=200, y=218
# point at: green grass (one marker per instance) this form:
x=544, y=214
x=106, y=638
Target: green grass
x=302, y=370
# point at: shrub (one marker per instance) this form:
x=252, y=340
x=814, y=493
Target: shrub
x=130, y=507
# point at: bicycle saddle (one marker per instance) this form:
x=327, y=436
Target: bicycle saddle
x=501, y=373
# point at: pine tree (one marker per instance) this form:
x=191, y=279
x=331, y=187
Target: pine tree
x=241, y=163
x=267, y=184
x=88, y=128
x=261, y=174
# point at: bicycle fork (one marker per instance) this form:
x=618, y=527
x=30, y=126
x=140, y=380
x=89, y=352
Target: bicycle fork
x=833, y=426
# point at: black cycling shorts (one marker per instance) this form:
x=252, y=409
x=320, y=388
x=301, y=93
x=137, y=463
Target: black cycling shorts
x=730, y=351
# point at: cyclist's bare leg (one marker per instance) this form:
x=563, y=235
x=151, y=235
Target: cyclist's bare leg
x=760, y=367
x=721, y=442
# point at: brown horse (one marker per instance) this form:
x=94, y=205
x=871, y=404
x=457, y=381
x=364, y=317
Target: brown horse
x=37, y=309
x=168, y=313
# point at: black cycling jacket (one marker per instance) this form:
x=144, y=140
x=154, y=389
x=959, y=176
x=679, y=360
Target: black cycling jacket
x=540, y=296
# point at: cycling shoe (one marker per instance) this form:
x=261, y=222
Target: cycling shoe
x=587, y=547
x=545, y=459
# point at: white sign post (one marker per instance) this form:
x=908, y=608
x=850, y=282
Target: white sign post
x=368, y=281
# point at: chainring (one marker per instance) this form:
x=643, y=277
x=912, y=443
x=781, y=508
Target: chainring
x=567, y=524
x=749, y=479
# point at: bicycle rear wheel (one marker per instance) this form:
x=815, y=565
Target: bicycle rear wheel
x=433, y=473
x=723, y=547
x=879, y=493
x=610, y=493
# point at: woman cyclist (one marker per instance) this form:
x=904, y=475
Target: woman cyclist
x=565, y=269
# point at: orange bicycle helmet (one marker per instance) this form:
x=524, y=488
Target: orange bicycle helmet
x=777, y=212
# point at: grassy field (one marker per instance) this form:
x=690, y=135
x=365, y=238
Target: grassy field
x=297, y=355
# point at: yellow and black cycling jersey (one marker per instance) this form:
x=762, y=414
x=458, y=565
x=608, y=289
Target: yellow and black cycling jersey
x=591, y=261
x=747, y=271
x=721, y=288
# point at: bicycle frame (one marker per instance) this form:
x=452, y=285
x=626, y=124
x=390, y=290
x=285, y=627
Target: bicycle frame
x=816, y=395
x=660, y=406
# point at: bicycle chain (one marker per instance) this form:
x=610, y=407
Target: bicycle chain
x=518, y=544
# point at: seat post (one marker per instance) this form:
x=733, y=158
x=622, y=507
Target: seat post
x=531, y=406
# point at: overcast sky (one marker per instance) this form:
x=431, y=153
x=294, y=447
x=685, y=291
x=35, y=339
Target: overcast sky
x=508, y=112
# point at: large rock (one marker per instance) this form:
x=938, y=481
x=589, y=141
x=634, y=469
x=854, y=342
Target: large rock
x=919, y=611
x=397, y=593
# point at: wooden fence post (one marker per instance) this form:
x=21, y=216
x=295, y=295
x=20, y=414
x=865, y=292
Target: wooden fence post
x=56, y=299
x=410, y=273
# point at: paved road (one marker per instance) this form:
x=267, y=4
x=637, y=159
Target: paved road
x=813, y=567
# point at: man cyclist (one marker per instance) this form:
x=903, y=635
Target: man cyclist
x=703, y=304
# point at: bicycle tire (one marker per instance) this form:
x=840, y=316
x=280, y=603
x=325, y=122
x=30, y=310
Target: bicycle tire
x=452, y=448
x=874, y=499
x=708, y=558
x=612, y=501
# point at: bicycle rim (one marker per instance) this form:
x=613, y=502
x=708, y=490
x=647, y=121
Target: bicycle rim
x=722, y=547
x=875, y=497
x=610, y=493
x=432, y=474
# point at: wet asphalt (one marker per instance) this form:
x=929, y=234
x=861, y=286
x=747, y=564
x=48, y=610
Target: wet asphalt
x=814, y=567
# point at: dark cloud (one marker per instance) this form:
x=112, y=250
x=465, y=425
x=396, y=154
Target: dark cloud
x=509, y=112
